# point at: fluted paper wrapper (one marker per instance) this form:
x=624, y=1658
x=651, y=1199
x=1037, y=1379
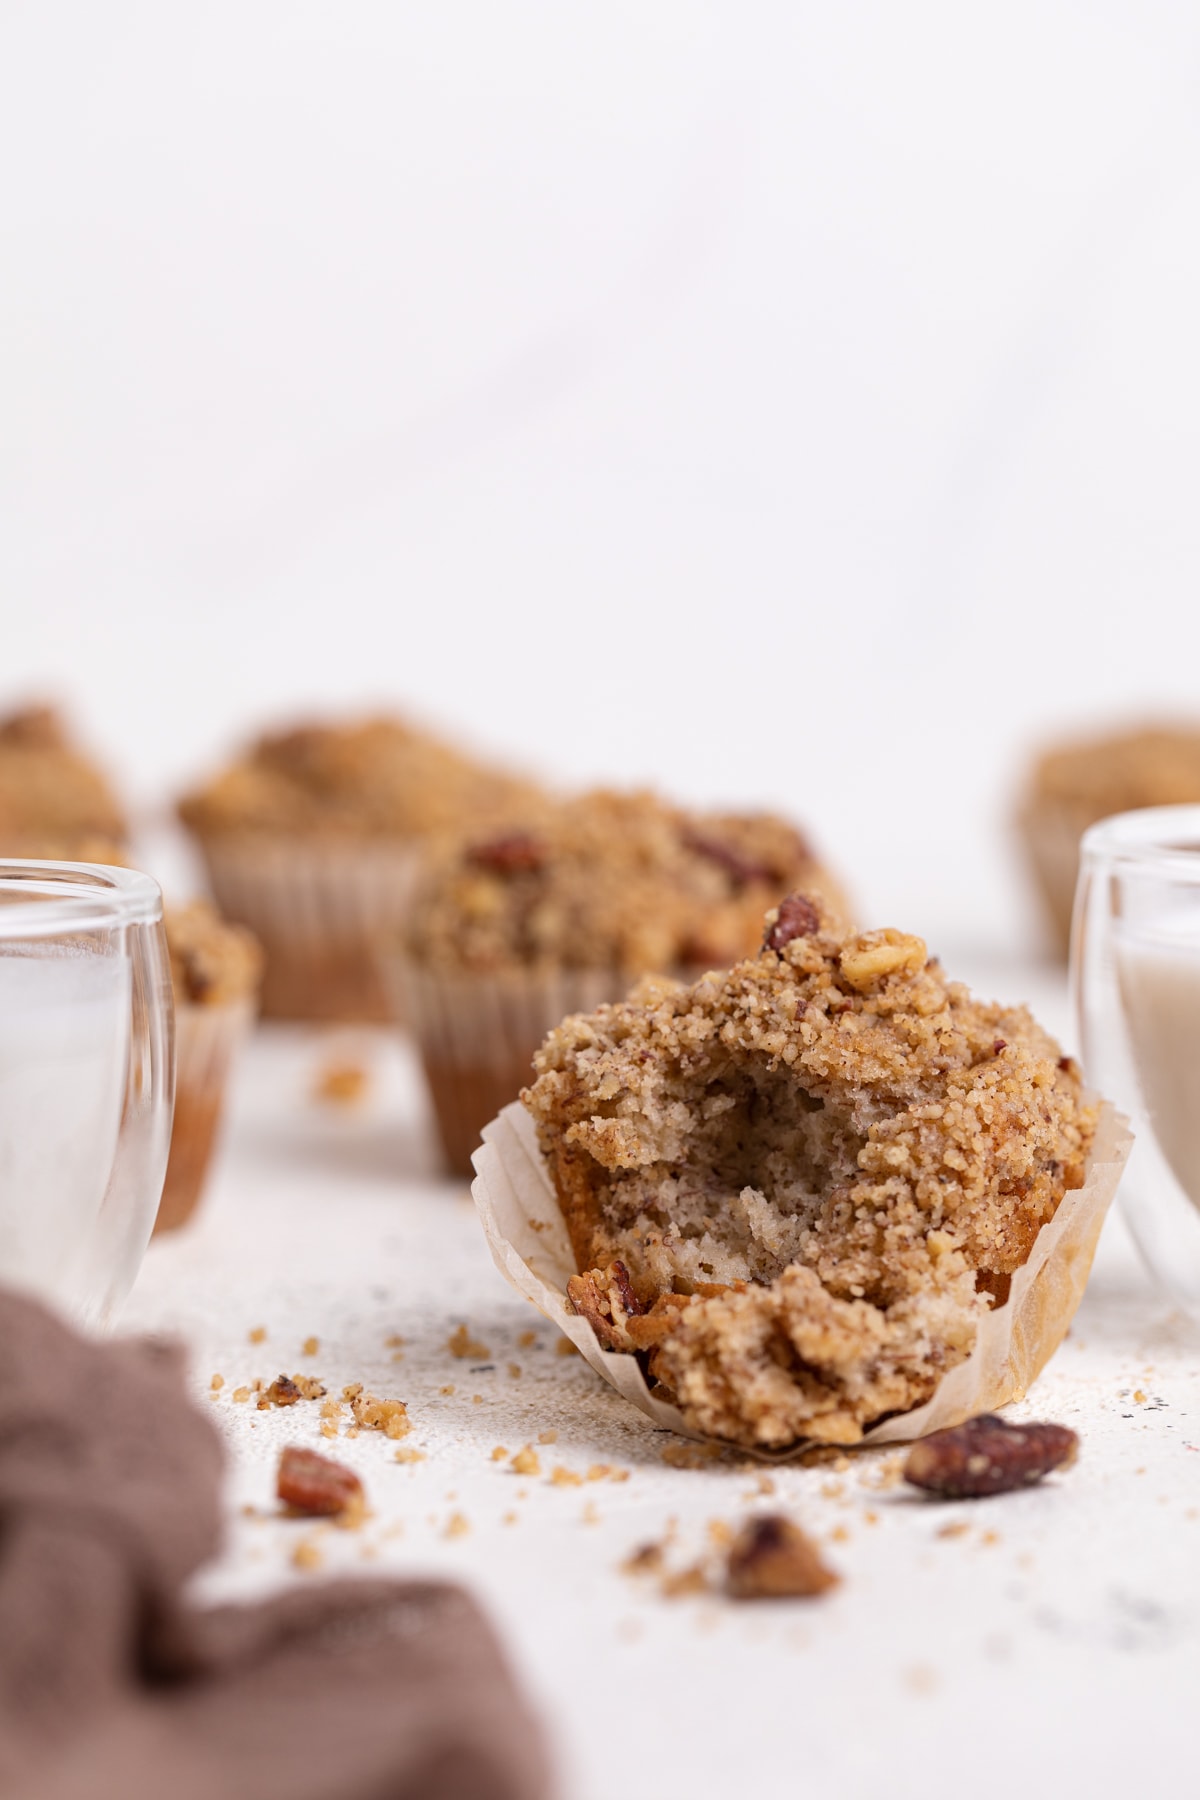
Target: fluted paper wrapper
x=477, y=1034
x=207, y=1039
x=321, y=910
x=1051, y=836
x=527, y=1236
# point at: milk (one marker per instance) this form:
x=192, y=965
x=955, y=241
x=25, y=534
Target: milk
x=64, y=1054
x=1158, y=966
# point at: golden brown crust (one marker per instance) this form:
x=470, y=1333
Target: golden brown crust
x=51, y=795
x=608, y=880
x=212, y=961
x=372, y=778
x=859, y=1149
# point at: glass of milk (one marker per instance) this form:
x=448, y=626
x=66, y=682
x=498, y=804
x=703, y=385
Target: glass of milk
x=1135, y=972
x=86, y=1081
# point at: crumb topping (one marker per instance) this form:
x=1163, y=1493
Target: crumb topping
x=372, y=778
x=212, y=961
x=1148, y=766
x=54, y=802
x=797, y=1186
x=608, y=880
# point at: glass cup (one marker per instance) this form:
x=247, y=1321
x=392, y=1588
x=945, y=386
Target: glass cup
x=86, y=1081
x=1135, y=975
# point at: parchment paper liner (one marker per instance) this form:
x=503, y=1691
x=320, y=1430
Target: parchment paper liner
x=528, y=1240
x=207, y=1039
x=320, y=910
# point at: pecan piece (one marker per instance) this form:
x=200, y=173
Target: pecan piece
x=316, y=1484
x=742, y=870
x=283, y=1391
x=987, y=1455
x=512, y=853
x=796, y=917
x=605, y=1298
x=772, y=1559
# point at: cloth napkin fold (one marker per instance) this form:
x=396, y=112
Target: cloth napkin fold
x=114, y=1687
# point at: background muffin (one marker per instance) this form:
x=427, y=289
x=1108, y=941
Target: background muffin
x=310, y=838
x=563, y=909
x=1073, y=785
x=50, y=791
x=215, y=971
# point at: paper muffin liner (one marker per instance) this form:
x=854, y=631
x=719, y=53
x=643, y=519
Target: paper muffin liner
x=206, y=1040
x=477, y=1035
x=527, y=1236
x=1051, y=836
x=321, y=910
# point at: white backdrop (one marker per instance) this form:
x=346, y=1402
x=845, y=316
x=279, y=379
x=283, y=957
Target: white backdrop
x=781, y=402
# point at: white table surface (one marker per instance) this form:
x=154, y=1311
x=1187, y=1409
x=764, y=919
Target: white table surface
x=1051, y=1645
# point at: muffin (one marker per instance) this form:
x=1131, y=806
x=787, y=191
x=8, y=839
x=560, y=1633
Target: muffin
x=511, y=931
x=50, y=792
x=799, y=1189
x=1073, y=785
x=215, y=972
x=310, y=839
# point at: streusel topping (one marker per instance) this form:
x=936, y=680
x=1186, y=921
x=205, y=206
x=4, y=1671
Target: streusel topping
x=374, y=778
x=607, y=880
x=212, y=961
x=1151, y=766
x=800, y=1184
x=50, y=791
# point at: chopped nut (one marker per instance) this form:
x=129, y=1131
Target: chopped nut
x=282, y=1392
x=258, y=1334
x=647, y=1559
x=514, y=1370
x=240, y=1395
x=692, y=1580
x=456, y=1526
x=878, y=954
x=796, y=917
x=307, y=1555
x=605, y=1298
x=565, y=1347
x=310, y=1346
x=460, y=1343
x=342, y=1084
x=527, y=1340
x=310, y=1483
x=525, y=1462
x=499, y=1454
x=217, y=1382
x=561, y=1477
x=389, y=1416
x=512, y=853
x=406, y=1455
x=771, y=1558
x=987, y=1455
x=352, y=1390
x=547, y=1437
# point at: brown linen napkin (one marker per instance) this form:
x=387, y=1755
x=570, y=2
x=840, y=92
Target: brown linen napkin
x=113, y=1688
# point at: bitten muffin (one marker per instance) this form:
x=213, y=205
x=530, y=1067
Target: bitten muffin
x=800, y=1185
x=50, y=791
x=1073, y=785
x=565, y=908
x=310, y=838
x=215, y=972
